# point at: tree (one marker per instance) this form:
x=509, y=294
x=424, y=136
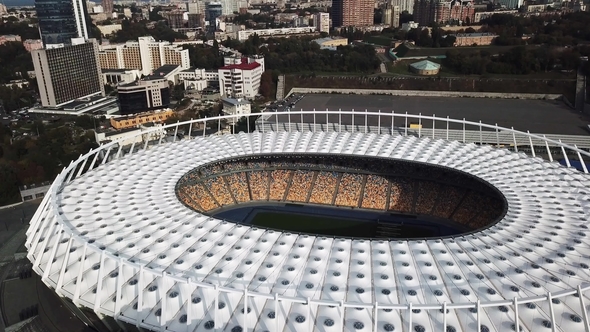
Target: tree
x=448, y=41
x=154, y=14
x=405, y=17
x=267, y=85
x=178, y=92
x=8, y=184
x=85, y=122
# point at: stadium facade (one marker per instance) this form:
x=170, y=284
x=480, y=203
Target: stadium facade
x=112, y=238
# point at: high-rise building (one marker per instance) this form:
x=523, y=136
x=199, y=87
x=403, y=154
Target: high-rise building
x=196, y=7
x=424, y=12
x=107, y=7
x=61, y=20
x=146, y=54
x=68, y=73
x=404, y=5
x=322, y=22
x=174, y=18
x=391, y=15
x=194, y=21
x=228, y=7
x=443, y=12
x=512, y=4
x=352, y=13
x=212, y=11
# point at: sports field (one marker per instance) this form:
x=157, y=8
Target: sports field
x=337, y=222
x=314, y=224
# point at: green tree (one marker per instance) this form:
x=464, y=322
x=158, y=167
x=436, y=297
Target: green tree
x=9, y=192
x=154, y=14
x=85, y=121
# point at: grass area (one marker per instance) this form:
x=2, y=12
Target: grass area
x=334, y=73
x=401, y=67
x=414, y=51
x=336, y=226
x=314, y=224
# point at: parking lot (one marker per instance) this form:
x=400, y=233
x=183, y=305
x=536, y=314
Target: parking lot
x=286, y=104
x=538, y=116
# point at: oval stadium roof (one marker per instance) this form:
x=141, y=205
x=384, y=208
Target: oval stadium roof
x=117, y=240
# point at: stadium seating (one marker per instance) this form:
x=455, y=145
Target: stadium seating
x=342, y=181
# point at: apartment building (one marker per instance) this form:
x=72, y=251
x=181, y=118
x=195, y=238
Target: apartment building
x=241, y=80
x=146, y=54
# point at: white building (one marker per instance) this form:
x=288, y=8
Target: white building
x=233, y=106
x=198, y=74
x=241, y=80
x=130, y=136
x=80, y=15
x=404, y=5
x=512, y=4
x=196, y=7
x=68, y=73
x=228, y=7
x=238, y=59
x=322, y=22
x=244, y=35
x=145, y=54
x=195, y=84
x=120, y=76
x=410, y=25
x=34, y=191
x=97, y=9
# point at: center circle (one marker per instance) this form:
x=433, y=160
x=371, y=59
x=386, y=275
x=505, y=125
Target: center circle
x=343, y=195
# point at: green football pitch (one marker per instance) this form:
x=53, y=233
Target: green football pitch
x=323, y=225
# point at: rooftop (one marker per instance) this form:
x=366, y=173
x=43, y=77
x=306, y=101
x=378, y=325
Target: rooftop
x=120, y=131
x=286, y=260
x=243, y=66
x=137, y=115
x=325, y=40
x=550, y=117
x=163, y=71
x=425, y=65
x=235, y=102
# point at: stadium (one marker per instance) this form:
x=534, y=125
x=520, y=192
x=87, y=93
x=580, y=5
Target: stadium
x=395, y=230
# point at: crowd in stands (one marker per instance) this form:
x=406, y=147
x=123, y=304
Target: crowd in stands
x=300, y=186
x=448, y=201
x=427, y=193
x=401, y=197
x=258, y=185
x=199, y=195
x=349, y=190
x=279, y=181
x=375, y=193
x=324, y=188
x=238, y=185
x=342, y=181
x=222, y=194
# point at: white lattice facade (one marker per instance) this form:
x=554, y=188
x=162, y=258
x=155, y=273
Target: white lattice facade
x=117, y=240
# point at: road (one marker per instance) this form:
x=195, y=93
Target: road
x=53, y=315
